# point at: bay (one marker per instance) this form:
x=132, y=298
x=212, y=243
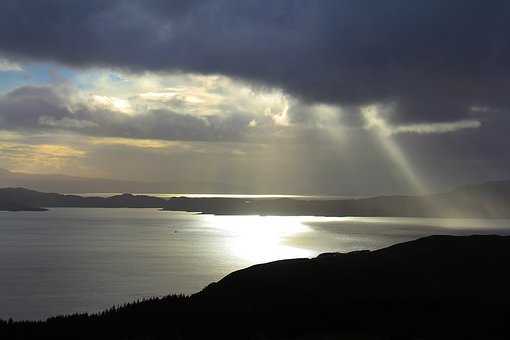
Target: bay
x=73, y=260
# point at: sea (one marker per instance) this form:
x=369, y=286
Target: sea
x=84, y=260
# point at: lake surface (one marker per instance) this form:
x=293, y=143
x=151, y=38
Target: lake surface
x=69, y=260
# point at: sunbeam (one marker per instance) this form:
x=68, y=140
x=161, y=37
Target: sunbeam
x=381, y=129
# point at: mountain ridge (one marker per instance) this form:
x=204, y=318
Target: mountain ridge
x=488, y=200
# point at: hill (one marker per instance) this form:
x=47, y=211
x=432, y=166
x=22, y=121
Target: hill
x=439, y=287
x=49, y=200
x=488, y=200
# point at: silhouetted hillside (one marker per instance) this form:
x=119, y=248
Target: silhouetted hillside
x=439, y=287
x=48, y=200
x=489, y=200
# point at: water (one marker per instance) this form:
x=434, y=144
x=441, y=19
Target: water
x=71, y=260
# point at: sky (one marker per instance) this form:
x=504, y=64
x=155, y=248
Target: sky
x=346, y=97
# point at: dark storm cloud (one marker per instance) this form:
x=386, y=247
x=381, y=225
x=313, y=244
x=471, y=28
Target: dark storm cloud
x=45, y=108
x=432, y=59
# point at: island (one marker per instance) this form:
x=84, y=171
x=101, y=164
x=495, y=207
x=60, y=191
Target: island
x=486, y=200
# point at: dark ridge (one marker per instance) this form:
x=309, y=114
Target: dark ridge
x=51, y=200
x=489, y=200
x=438, y=287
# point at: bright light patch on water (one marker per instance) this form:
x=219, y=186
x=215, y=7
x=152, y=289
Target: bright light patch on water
x=261, y=238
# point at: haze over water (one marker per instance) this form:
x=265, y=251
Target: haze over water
x=255, y=196
x=71, y=260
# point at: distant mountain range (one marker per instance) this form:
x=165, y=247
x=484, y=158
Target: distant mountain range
x=72, y=184
x=438, y=287
x=487, y=200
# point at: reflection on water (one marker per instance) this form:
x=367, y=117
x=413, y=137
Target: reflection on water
x=354, y=233
x=261, y=238
x=84, y=260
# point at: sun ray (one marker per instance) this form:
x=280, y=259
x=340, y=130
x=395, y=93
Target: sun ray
x=394, y=152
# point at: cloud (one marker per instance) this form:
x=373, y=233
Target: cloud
x=437, y=127
x=65, y=123
x=39, y=157
x=375, y=120
x=434, y=59
x=138, y=143
x=291, y=77
x=63, y=108
x=9, y=66
x=112, y=103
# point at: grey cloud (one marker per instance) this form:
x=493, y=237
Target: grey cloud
x=25, y=105
x=66, y=123
x=45, y=108
x=9, y=66
x=300, y=159
x=432, y=59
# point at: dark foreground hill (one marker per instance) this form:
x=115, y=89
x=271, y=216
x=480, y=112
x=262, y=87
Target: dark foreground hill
x=439, y=287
